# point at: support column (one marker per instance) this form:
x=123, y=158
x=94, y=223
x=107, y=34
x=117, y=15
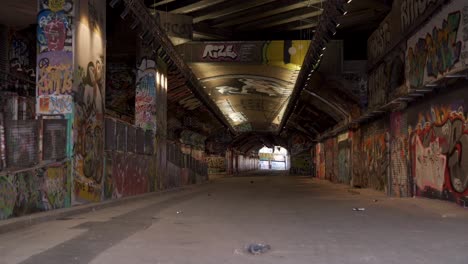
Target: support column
x=89, y=99
x=151, y=106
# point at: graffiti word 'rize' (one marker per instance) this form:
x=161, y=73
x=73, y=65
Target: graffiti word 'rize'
x=412, y=9
x=219, y=51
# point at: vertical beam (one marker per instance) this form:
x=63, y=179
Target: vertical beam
x=89, y=93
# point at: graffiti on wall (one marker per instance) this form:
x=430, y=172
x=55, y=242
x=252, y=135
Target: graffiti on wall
x=54, y=82
x=22, y=54
x=216, y=164
x=320, y=160
x=411, y=10
x=299, y=143
x=145, y=100
x=344, y=156
x=89, y=96
x=194, y=139
x=399, y=150
x=54, y=31
x=439, y=143
x=89, y=123
x=54, y=76
x=376, y=160
x=130, y=174
x=55, y=73
x=301, y=164
x=436, y=50
x=387, y=80
x=120, y=92
x=380, y=40
x=331, y=159
x=34, y=191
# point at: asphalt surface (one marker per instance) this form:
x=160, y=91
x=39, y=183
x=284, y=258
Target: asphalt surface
x=303, y=220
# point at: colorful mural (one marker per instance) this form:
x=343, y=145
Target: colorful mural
x=34, y=191
x=145, y=101
x=320, y=161
x=55, y=57
x=439, y=48
x=399, y=151
x=256, y=96
x=89, y=90
x=344, y=157
x=331, y=159
x=375, y=155
x=120, y=91
x=128, y=174
x=301, y=164
x=216, y=164
x=439, y=143
x=248, y=97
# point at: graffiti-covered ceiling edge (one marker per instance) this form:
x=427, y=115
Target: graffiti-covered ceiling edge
x=250, y=82
x=185, y=111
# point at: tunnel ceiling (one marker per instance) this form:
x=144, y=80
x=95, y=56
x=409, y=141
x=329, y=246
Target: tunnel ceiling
x=266, y=19
x=251, y=82
x=250, y=75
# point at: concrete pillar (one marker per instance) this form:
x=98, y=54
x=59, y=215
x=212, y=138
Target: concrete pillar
x=151, y=105
x=89, y=94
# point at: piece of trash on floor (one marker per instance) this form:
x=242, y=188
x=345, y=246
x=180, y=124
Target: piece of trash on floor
x=258, y=248
x=359, y=209
x=375, y=200
x=449, y=215
x=238, y=252
x=179, y=212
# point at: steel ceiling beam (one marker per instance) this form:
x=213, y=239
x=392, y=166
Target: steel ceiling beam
x=226, y=8
x=259, y=12
x=196, y=6
x=284, y=18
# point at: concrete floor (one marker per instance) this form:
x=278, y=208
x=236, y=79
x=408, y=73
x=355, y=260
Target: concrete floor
x=304, y=220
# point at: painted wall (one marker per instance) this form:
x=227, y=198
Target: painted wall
x=344, y=159
x=301, y=164
x=54, y=78
x=89, y=89
x=331, y=159
x=438, y=132
x=128, y=174
x=244, y=163
x=320, y=161
x=371, y=164
x=35, y=190
x=216, y=164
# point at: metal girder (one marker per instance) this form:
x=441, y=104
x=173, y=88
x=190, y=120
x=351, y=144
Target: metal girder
x=196, y=6
x=284, y=18
x=205, y=30
x=226, y=8
x=259, y=12
x=298, y=25
x=160, y=3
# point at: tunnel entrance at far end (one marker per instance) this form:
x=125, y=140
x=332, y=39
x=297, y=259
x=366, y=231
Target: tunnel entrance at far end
x=276, y=158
